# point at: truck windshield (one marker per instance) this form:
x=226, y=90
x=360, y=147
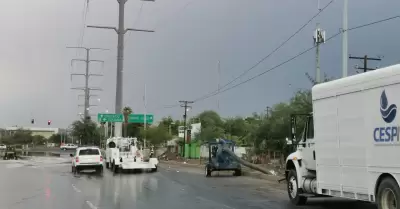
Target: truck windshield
x=89, y=152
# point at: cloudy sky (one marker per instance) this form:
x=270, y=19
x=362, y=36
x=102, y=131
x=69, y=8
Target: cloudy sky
x=178, y=61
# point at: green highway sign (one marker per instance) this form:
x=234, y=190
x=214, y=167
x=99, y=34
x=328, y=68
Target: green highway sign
x=139, y=118
x=105, y=117
x=133, y=118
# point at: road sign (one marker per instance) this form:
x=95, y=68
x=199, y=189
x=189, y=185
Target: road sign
x=101, y=117
x=133, y=118
x=139, y=118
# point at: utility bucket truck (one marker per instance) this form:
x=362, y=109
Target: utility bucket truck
x=350, y=145
x=125, y=154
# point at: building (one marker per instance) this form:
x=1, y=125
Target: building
x=194, y=127
x=45, y=132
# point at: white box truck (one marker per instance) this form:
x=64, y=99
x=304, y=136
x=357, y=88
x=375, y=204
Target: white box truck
x=350, y=145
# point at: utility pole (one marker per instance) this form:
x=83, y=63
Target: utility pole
x=120, y=58
x=185, y=105
x=268, y=109
x=219, y=84
x=344, y=40
x=319, y=38
x=365, y=59
x=87, y=75
x=145, y=111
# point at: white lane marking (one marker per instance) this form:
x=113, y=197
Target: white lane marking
x=91, y=205
x=76, y=189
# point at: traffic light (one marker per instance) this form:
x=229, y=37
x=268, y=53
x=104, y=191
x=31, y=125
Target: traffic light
x=48, y=122
x=33, y=121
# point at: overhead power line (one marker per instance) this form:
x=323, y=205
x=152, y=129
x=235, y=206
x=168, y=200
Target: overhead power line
x=279, y=65
x=298, y=55
x=84, y=17
x=275, y=50
x=136, y=20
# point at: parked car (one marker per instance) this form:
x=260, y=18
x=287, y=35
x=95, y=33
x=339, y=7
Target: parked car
x=87, y=158
x=3, y=147
x=68, y=146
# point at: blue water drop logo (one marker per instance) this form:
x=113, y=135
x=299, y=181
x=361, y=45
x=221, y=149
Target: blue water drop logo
x=388, y=111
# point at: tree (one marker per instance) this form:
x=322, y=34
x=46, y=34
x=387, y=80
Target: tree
x=22, y=136
x=156, y=135
x=55, y=138
x=126, y=111
x=39, y=140
x=261, y=131
x=275, y=129
x=133, y=129
x=87, y=133
x=212, y=126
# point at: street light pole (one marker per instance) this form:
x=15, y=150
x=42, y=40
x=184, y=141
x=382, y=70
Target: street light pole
x=120, y=59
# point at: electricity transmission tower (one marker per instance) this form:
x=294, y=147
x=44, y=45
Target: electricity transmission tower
x=120, y=58
x=87, y=74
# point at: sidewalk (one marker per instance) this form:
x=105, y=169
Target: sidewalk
x=245, y=171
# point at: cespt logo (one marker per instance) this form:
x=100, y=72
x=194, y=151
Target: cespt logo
x=388, y=113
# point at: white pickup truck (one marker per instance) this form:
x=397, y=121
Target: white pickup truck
x=124, y=154
x=350, y=144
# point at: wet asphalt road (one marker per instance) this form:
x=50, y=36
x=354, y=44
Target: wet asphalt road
x=47, y=183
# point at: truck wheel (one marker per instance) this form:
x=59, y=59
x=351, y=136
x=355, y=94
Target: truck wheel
x=99, y=170
x=237, y=172
x=293, y=189
x=115, y=170
x=107, y=165
x=388, y=194
x=207, y=171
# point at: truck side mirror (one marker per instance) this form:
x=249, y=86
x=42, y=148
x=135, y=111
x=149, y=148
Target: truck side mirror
x=288, y=142
x=293, y=126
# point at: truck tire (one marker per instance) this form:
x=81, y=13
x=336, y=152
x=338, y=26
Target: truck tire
x=77, y=170
x=207, y=171
x=99, y=170
x=388, y=195
x=237, y=172
x=115, y=169
x=293, y=189
x=107, y=165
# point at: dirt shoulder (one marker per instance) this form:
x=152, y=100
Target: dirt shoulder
x=271, y=179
